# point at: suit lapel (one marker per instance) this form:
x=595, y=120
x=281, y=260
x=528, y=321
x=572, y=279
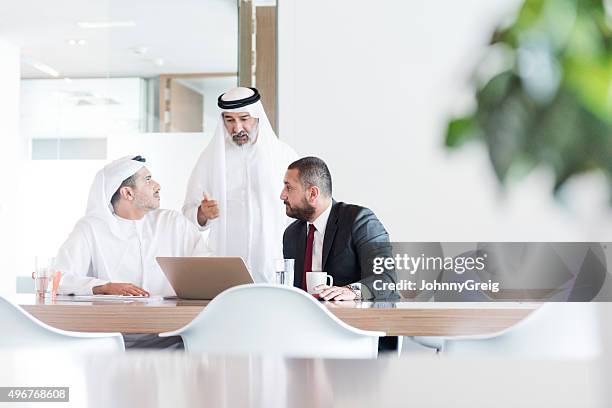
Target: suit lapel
x=330, y=232
x=299, y=255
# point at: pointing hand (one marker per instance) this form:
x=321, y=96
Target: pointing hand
x=208, y=210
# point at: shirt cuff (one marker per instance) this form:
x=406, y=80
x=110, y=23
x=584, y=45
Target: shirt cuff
x=358, y=289
x=93, y=284
x=79, y=286
x=365, y=292
x=192, y=215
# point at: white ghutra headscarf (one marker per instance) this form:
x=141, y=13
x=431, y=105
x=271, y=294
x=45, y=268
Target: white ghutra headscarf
x=105, y=184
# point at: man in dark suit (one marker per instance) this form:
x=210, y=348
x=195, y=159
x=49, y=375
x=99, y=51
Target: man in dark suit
x=338, y=238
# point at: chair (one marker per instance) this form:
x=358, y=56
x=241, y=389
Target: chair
x=261, y=319
x=555, y=331
x=21, y=331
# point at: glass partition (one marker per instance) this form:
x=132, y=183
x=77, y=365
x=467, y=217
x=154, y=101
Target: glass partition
x=109, y=78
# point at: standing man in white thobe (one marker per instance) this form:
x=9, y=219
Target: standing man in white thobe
x=112, y=249
x=234, y=186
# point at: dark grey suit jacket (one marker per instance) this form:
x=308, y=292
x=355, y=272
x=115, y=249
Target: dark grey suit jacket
x=353, y=238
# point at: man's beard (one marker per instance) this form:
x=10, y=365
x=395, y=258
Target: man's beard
x=303, y=213
x=148, y=203
x=241, y=137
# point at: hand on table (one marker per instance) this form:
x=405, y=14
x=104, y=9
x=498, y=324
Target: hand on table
x=122, y=289
x=335, y=293
x=339, y=304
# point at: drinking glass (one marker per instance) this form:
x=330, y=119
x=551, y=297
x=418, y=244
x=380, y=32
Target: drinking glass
x=284, y=271
x=43, y=275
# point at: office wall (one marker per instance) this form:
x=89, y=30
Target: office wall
x=368, y=86
x=12, y=153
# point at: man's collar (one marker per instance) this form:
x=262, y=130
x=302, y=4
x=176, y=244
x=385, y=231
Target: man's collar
x=321, y=222
x=127, y=220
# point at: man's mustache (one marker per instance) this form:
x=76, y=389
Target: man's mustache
x=240, y=134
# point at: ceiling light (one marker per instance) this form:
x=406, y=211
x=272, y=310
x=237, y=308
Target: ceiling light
x=140, y=50
x=77, y=94
x=76, y=42
x=105, y=24
x=41, y=67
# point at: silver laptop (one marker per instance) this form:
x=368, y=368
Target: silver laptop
x=203, y=277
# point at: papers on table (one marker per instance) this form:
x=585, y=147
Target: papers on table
x=113, y=298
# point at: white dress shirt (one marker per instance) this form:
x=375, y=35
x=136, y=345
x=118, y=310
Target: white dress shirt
x=317, y=246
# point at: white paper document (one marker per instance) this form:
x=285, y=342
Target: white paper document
x=97, y=298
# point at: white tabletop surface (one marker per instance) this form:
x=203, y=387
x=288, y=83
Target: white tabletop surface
x=173, y=379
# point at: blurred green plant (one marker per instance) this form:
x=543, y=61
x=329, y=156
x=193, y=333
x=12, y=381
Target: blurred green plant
x=548, y=99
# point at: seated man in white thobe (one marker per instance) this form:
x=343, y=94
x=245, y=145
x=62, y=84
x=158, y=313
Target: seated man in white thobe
x=112, y=249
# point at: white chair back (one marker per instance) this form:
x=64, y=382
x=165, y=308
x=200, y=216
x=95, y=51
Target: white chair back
x=557, y=330
x=260, y=319
x=21, y=331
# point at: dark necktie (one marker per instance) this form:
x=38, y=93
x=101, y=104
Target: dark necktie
x=308, y=254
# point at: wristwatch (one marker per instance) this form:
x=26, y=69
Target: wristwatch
x=356, y=289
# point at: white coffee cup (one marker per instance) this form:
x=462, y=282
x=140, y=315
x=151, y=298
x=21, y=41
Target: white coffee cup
x=314, y=279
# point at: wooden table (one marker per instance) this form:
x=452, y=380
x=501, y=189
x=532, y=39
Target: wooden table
x=398, y=318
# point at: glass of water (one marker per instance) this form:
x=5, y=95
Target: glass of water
x=284, y=271
x=43, y=274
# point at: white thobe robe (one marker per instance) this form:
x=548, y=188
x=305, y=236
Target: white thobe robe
x=247, y=181
x=94, y=255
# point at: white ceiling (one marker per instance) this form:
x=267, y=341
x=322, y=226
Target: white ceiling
x=188, y=35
